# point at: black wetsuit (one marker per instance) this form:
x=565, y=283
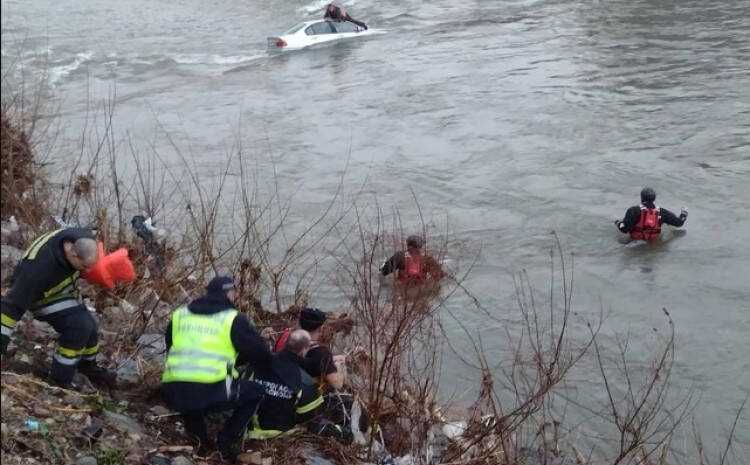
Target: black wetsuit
x=395, y=263
x=633, y=215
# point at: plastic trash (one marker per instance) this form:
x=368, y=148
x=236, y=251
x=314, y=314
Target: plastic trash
x=32, y=424
x=148, y=232
x=145, y=228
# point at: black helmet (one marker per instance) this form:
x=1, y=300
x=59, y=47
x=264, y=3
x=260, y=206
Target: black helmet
x=220, y=285
x=648, y=195
x=311, y=319
x=414, y=241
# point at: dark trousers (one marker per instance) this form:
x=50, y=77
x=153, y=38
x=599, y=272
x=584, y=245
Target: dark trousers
x=244, y=399
x=78, y=342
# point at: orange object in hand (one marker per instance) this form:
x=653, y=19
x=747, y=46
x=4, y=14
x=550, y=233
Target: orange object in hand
x=111, y=269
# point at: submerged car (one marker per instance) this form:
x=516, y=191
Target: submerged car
x=315, y=32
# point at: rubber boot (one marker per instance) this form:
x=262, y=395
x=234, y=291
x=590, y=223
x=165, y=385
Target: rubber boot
x=62, y=374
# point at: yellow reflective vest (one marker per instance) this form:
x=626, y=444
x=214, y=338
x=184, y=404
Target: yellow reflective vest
x=202, y=349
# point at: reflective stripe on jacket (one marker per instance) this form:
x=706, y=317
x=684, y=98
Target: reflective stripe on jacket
x=202, y=349
x=256, y=431
x=57, y=297
x=38, y=243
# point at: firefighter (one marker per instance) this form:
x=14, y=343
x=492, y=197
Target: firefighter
x=291, y=395
x=44, y=282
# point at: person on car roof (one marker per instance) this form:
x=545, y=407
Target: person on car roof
x=337, y=13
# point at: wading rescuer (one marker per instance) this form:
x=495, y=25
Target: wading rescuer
x=205, y=339
x=412, y=265
x=337, y=13
x=44, y=282
x=291, y=395
x=643, y=222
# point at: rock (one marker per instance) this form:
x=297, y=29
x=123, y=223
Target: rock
x=123, y=423
x=127, y=371
x=134, y=456
x=93, y=431
x=254, y=458
x=9, y=257
x=127, y=307
x=159, y=410
x=159, y=459
x=453, y=430
x=41, y=411
x=86, y=460
x=83, y=384
x=73, y=400
x=182, y=460
x=10, y=232
x=41, y=329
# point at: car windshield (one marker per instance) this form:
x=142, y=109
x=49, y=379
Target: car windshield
x=294, y=29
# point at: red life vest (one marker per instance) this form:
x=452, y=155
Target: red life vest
x=648, y=227
x=412, y=272
x=281, y=341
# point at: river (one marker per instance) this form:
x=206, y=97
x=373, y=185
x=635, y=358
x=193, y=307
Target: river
x=506, y=119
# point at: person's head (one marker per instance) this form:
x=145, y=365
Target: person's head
x=298, y=342
x=414, y=244
x=222, y=285
x=311, y=319
x=81, y=254
x=648, y=195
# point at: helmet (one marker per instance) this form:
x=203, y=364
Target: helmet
x=311, y=319
x=220, y=284
x=648, y=195
x=414, y=241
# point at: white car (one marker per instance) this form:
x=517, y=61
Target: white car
x=315, y=32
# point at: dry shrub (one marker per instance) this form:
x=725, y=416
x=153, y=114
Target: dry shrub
x=18, y=195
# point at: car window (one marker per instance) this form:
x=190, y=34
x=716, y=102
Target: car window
x=323, y=27
x=345, y=26
x=294, y=29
